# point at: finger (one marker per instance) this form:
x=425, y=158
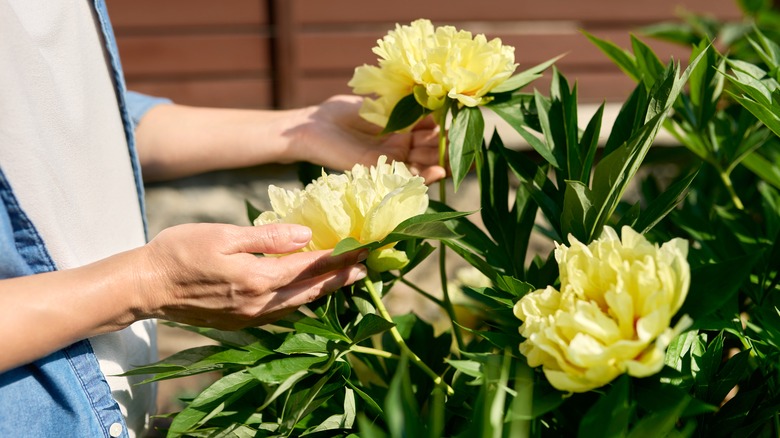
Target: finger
x=433, y=174
x=269, y=239
x=303, y=292
x=281, y=271
x=426, y=156
x=426, y=123
x=425, y=137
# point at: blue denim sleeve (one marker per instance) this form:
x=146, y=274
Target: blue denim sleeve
x=138, y=104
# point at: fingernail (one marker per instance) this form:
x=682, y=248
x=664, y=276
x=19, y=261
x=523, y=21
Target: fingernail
x=300, y=234
x=361, y=274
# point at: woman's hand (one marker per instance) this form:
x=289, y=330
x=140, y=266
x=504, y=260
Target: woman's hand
x=334, y=135
x=209, y=275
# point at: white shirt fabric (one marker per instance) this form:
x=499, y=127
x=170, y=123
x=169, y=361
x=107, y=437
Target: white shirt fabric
x=64, y=152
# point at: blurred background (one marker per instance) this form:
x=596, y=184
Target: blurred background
x=274, y=54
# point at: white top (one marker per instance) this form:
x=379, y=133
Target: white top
x=65, y=155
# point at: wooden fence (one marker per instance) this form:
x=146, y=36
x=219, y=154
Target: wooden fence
x=289, y=53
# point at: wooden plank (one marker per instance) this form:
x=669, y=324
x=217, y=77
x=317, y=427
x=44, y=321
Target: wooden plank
x=315, y=51
x=223, y=93
x=335, y=12
x=140, y=14
x=194, y=54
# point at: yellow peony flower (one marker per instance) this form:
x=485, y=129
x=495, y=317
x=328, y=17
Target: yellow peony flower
x=612, y=314
x=434, y=64
x=365, y=204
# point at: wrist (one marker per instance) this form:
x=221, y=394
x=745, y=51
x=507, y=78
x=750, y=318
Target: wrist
x=295, y=131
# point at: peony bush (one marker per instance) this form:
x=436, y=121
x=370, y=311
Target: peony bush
x=652, y=316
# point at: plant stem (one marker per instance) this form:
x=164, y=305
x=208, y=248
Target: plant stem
x=380, y=307
x=372, y=351
x=730, y=188
x=446, y=302
x=522, y=406
x=422, y=292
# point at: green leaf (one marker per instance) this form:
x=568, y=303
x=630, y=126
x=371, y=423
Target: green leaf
x=622, y=58
x=466, y=136
x=215, y=397
x=661, y=422
x=647, y=62
x=303, y=343
x=664, y=204
x=468, y=367
x=368, y=326
x=316, y=327
x=511, y=108
x=252, y=212
x=277, y=371
x=630, y=117
x=306, y=398
x=577, y=218
x=424, y=226
x=470, y=235
x=177, y=361
x=714, y=284
x=221, y=360
x=525, y=77
x=338, y=421
x=514, y=286
x=708, y=364
x=610, y=416
x=764, y=112
x=368, y=429
x=727, y=378
x=654, y=397
x=402, y=412
x=373, y=406
x=405, y=113
x=239, y=339
x=589, y=143
x=767, y=49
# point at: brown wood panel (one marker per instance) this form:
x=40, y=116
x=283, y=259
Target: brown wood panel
x=331, y=12
x=225, y=93
x=594, y=87
x=184, y=55
x=167, y=14
x=315, y=51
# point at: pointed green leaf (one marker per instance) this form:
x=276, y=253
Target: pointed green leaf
x=303, y=343
x=316, y=327
x=664, y=204
x=525, y=77
x=610, y=416
x=405, y=113
x=622, y=58
x=466, y=135
x=277, y=371
x=402, y=411
x=589, y=143
x=425, y=226
x=225, y=389
x=647, y=62
x=252, y=212
x=578, y=218
x=714, y=284
x=370, y=325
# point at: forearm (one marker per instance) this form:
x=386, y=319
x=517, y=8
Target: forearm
x=175, y=140
x=45, y=312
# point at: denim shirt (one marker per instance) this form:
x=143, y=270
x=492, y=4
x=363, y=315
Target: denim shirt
x=65, y=393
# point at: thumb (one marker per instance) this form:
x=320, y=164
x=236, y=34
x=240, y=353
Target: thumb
x=271, y=239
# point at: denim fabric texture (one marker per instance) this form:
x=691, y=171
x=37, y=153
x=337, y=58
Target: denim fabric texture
x=65, y=393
